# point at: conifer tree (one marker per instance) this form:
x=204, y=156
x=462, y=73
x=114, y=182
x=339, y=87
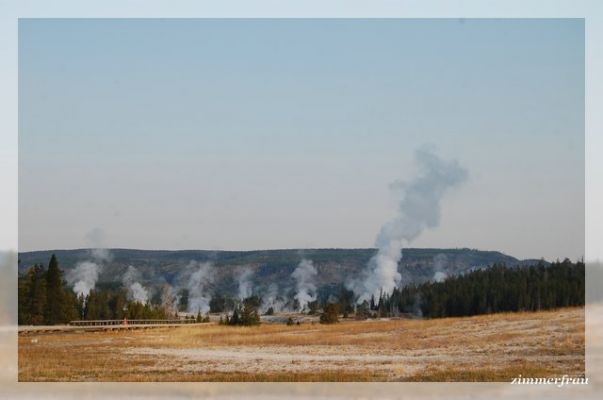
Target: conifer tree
x=55, y=295
x=234, y=320
x=330, y=314
x=249, y=315
x=363, y=311
x=32, y=297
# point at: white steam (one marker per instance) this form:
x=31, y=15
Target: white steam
x=168, y=298
x=83, y=277
x=440, y=276
x=85, y=274
x=419, y=209
x=304, y=276
x=198, y=286
x=271, y=299
x=102, y=256
x=136, y=291
x=439, y=266
x=245, y=283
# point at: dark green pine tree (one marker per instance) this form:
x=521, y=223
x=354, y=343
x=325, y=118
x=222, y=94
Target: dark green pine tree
x=23, y=293
x=81, y=306
x=32, y=296
x=330, y=314
x=55, y=294
x=72, y=310
x=249, y=315
x=91, y=309
x=183, y=303
x=234, y=320
x=117, y=305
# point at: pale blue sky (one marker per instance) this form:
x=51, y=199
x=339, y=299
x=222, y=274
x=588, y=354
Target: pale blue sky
x=243, y=134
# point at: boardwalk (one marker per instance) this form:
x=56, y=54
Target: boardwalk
x=104, y=325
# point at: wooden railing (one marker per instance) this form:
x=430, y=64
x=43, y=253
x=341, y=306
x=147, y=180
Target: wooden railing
x=108, y=322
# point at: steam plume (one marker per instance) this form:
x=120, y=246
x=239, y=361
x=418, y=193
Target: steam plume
x=198, y=286
x=419, y=209
x=85, y=274
x=271, y=299
x=439, y=266
x=136, y=291
x=167, y=298
x=304, y=276
x=83, y=277
x=245, y=283
x=440, y=276
x=101, y=255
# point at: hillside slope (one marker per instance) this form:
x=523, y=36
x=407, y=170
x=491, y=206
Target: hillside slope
x=334, y=266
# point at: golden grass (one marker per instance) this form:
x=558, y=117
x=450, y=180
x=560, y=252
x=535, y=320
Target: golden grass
x=505, y=374
x=493, y=347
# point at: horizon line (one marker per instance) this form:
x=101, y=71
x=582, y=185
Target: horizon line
x=275, y=249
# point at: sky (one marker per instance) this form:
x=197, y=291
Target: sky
x=256, y=134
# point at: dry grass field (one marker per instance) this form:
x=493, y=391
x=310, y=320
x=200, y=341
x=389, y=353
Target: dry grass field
x=484, y=348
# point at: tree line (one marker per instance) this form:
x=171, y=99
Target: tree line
x=245, y=314
x=493, y=289
x=45, y=299
x=489, y=290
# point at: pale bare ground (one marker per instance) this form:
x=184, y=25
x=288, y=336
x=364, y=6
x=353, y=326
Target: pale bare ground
x=484, y=348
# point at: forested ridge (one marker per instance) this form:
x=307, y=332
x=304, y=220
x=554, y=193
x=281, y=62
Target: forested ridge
x=490, y=290
x=334, y=266
x=45, y=298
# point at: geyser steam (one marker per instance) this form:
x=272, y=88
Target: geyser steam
x=271, y=299
x=439, y=267
x=419, y=209
x=83, y=277
x=198, y=286
x=304, y=276
x=136, y=291
x=245, y=283
x=85, y=274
